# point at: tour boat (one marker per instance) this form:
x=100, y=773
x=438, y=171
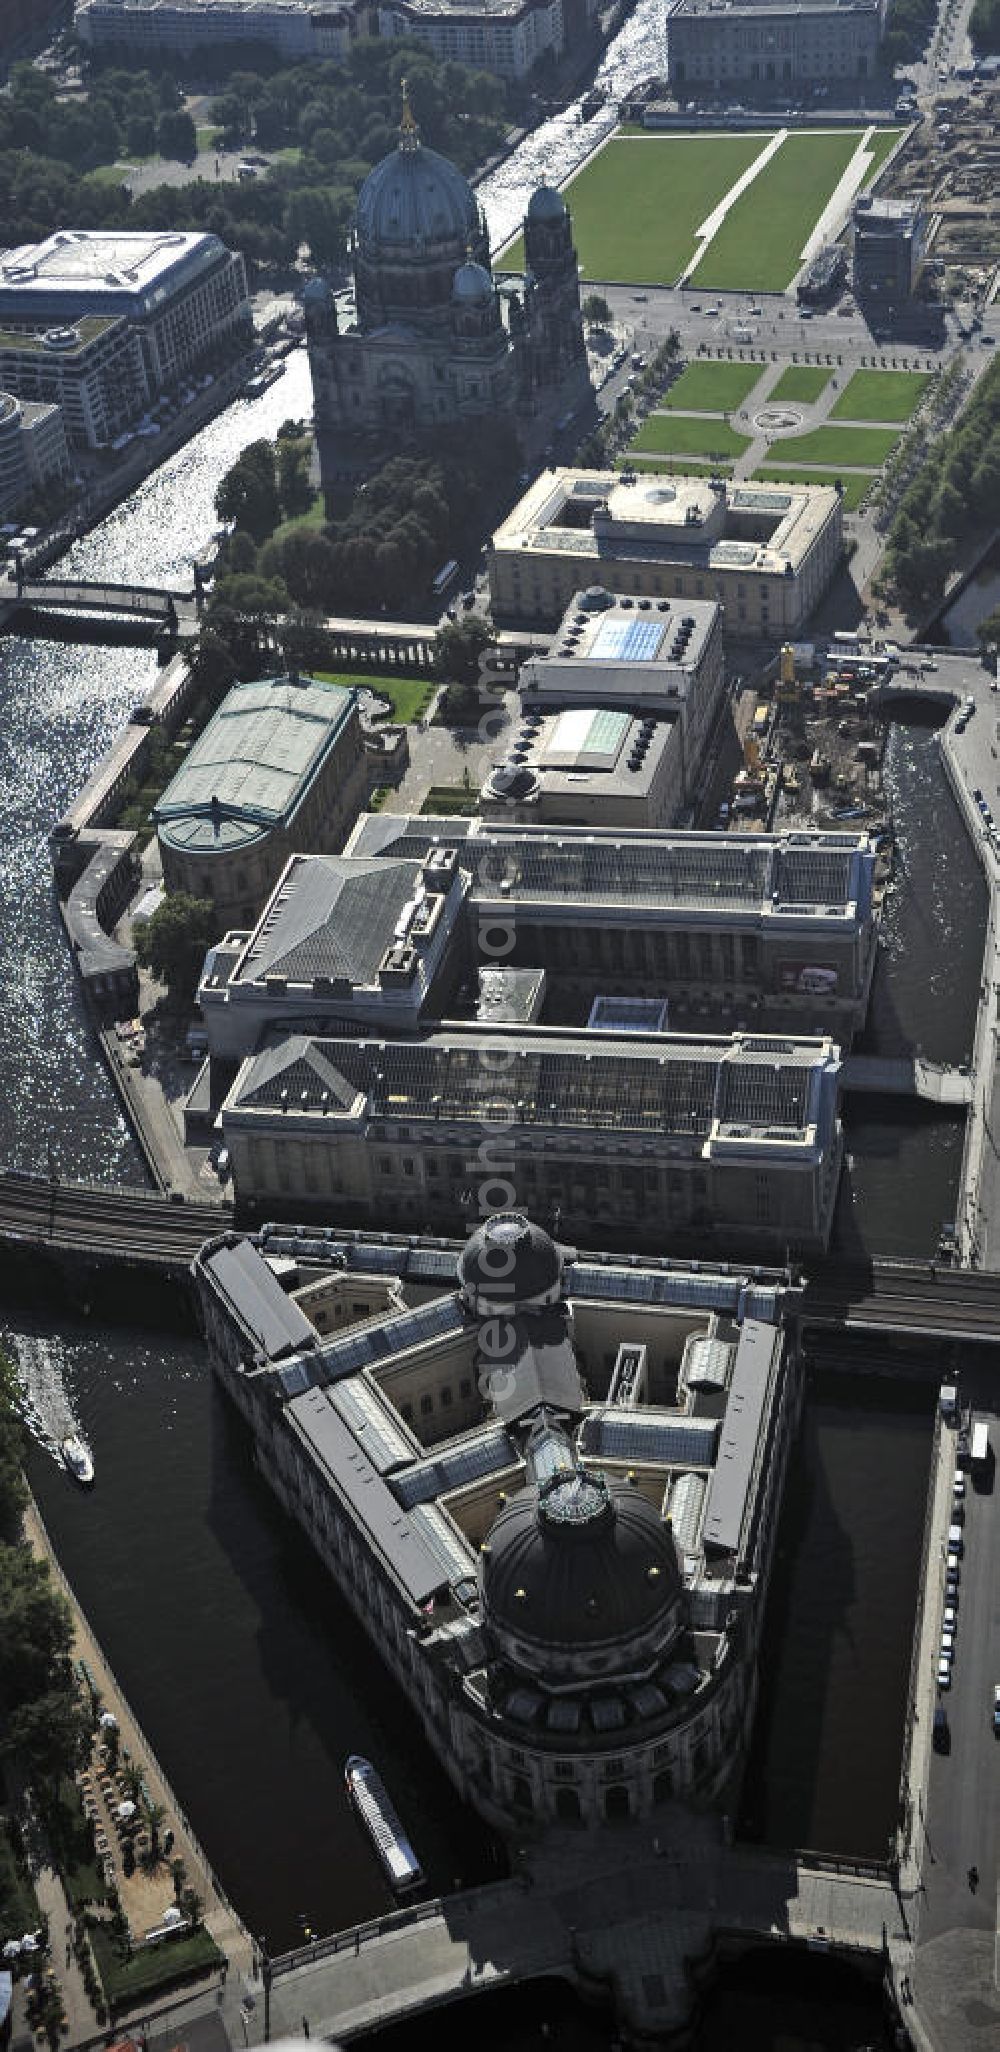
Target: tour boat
x=397, y=1858
x=78, y=1460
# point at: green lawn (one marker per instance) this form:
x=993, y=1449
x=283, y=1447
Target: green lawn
x=800, y=381
x=108, y=174
x=681, y=434
x=637, y=205
x=861, y=448
x=152, y=1966
x=855, y=482
x=208, y=138
x=451, y=801
x=882, y=145
x=759, y=245
x=315, y=519
x=712, y=387
x=666, y=465
x=19, y=1910
x=69, y=1828
x=410, y=695
x=880, y=395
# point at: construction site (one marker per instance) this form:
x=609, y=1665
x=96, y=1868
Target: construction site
x=951, y=164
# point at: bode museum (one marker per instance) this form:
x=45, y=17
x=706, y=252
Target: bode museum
x=435, y=340
x=546, y=1481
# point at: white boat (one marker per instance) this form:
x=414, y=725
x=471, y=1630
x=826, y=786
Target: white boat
x=78, y=1459
x=367, y=1792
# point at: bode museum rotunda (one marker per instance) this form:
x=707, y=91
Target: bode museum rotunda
x=435, y=339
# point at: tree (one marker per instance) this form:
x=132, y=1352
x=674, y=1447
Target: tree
x=50, y=1735
x=173, y=942
x=156, y=1817
x=131, y=1778
x=458, y=648
x=36, y=1630
x=248, y=493
x=294, y=488
x=596, y=311
x=176, y=136
x=179, y=1875
x=211, y=663
x=193, y=1906
x=988, y=630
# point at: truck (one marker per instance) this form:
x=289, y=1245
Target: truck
x=980, y=1450
x=948, y=1402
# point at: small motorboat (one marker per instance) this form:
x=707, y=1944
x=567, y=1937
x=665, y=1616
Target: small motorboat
x=77, y=1459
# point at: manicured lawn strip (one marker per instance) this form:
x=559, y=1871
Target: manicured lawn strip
x=70, y=1831
x=759, y=245
x=669, y=466
x=410, y=695
x=151, y=1966
x=880, y=395
x=19, y=1911
x=800, y=381
x=636, y=205
x=862, y=448
x=855, y=482
x=450, y=801
x=882, y=146
x=671, y=434
x=712, y=387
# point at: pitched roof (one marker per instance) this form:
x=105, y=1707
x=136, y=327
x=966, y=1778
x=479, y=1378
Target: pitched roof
x=330, y=917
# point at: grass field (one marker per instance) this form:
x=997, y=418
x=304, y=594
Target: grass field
x=864, y=448
x=636, y=205
x=855, y=482
x=410, y=695
x=712, y=387
x=880, y=395
x=800, y=381
x=759, y=245
x=680, y=434
x=666, y=466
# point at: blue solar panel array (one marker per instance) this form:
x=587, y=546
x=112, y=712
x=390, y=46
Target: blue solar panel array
x=627, y=641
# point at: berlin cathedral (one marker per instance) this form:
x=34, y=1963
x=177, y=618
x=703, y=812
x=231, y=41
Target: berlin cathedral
x=436, y=340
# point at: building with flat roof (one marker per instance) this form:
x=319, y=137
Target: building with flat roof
x=146, y=29
x=771, y=43
x=615, y=717
x=33, y=452
x=93, y=370
x=774, y=929
x=889, y=242
x=185, y=296
x=766, y=553
x=564, y=1566
x=735, y=1141
x=505, y=36
x=280, y=767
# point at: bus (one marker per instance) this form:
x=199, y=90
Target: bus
x=446, y=577
x=980, y=1452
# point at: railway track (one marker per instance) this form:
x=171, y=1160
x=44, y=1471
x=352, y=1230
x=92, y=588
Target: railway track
x=114, y=1224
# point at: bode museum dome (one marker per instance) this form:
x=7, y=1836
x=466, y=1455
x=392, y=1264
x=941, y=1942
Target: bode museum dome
x=436, y=338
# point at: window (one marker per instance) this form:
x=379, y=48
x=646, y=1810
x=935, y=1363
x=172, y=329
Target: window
x=446, y=1396
x=465, y=1386
x=565, y=1770
x=426, y=1406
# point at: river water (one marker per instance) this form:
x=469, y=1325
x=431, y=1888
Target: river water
x=250, y=1677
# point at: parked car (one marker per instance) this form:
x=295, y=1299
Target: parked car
x=944, y=1675
x=941, y=1733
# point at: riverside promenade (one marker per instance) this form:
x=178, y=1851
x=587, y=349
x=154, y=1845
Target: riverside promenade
x=143, y=1897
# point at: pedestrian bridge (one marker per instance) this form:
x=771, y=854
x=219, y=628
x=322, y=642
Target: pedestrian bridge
x=628, y=1930
x=907, y=1076
x=176, y=611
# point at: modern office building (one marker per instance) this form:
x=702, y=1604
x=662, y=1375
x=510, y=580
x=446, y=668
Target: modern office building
x=615, y=719
x=150, y=29
x=562, y=1555
x=434, y=341
x=889, y=239
x=93, y=370
x=733, y=1141
x=184, y=296
x=388, y=938
x=770, y=43
x=766, y=553
x=505, y=36
x=280, y=767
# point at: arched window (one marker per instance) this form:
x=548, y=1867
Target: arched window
x=520, y=1792
x=617, y=1802
x=663, y=1786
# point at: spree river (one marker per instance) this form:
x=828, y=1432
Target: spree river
x=249, y=1675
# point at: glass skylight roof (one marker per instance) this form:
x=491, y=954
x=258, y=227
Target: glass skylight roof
x=626, y=641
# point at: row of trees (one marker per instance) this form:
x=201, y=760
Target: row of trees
x=335, y=121
x=910, y=24
x=950, y=505
x=46, y=1724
